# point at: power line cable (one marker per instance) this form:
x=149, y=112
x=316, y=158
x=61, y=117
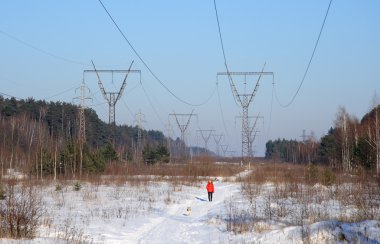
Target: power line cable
x=224, y=54
x=41, y=50
x=221, y=111
x=62, y=92
x=148, y=68
x=5, y=94
x=270, y=113
x=220, y=35
x=98, y=102
x=151, y=104
x=308, y=66
x=67, y=60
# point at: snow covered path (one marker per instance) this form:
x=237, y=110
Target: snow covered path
x=176, y=227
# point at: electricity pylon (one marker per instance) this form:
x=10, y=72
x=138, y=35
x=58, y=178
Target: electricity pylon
x=169, y=132
x=244, y=99
x=82, y=122
x=139, y=120
x=304, y=136
x=217, y=139
x=206, y=137
x=112, y=97
x=183, y=126
x=251, y=139
x=224, y=149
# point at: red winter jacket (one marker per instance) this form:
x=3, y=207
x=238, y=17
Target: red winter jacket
x=210, y=187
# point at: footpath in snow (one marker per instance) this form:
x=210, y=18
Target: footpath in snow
x=201, y=226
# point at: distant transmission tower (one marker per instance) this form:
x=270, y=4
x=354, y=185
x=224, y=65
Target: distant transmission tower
x=139, y=121
x=303, y=136
x=82, y=122
x=112, y=97
x=217, y=139
x=183, y=126
x=253, y=137
x=224, y=149
x=244, y=99
x=206, y=135
x=169, y=132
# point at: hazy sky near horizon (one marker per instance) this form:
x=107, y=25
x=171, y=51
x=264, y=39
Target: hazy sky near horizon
x=46, y=46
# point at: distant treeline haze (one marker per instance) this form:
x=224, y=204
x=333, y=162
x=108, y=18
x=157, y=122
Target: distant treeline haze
x=349, y=145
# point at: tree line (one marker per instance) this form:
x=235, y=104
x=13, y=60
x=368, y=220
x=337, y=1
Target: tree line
x=350, y=144
x=41, y=138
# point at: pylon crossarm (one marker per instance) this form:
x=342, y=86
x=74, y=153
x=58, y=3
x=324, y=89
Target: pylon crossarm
x=124, y=83
x=188, y=121
x=100, y=84
x=257, y=85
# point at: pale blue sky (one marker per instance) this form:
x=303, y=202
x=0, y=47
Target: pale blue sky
x=46, y=45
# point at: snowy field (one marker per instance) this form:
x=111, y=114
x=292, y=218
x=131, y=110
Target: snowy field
x=155, y=211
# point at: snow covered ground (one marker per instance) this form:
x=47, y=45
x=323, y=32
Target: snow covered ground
x=156, y=212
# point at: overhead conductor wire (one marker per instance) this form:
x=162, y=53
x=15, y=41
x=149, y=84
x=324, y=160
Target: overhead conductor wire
x=308, y=65
x=67, y=60
x=147, y=66
x=226, y=66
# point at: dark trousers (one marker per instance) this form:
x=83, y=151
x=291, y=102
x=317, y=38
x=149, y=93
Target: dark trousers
x=210, y=196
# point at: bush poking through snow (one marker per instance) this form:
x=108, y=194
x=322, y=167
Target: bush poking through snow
x=20, y=212
x=58, y=188
x=77, y=186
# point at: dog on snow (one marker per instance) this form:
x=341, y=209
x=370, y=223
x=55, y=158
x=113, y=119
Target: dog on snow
x=188, y=211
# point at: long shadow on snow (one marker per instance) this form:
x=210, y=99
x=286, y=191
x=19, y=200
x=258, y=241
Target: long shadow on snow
x=200, y=199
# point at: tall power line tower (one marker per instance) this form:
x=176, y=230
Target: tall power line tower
x=217, y=139
x=244, y=99
x=224, y=149
x=253, y=134
x=82, y=122
x=183, y=125
x=139, y=121
x=206, y=135
x=112, y=97
x=169, y=132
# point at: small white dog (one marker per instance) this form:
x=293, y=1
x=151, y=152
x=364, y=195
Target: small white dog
x=188, y=211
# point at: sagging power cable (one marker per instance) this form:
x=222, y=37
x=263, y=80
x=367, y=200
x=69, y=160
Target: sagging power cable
x=147, y=66
x=308, y=65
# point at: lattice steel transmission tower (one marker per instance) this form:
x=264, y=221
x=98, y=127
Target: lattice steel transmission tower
x=183, y=126
x=82, y=120
x=252, y=130
x=224, y=149
x=112, y=97
x=139, y=120
x=206, y=135
x=244, y=99
x=169, y=132
x=217, y=139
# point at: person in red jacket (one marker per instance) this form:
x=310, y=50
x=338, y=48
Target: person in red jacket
x=210, y=190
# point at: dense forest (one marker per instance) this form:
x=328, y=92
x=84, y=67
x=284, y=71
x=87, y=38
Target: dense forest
x=349, y=145
x=41, y=138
